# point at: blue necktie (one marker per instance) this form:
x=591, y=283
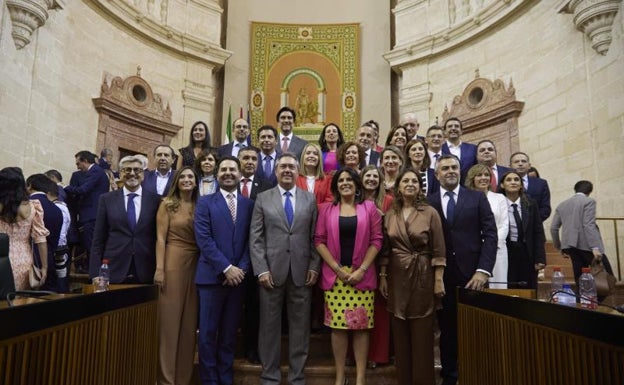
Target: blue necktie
x=288, y=208
x=267, y=167
x=131, y=212
x=450, y=206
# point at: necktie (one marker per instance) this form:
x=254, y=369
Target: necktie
x=518, y=220
x=288, y=208
x=245, y=190
x=493, y=186
x=232, y=206
x=267, y=166
x=285, y=144
x=131, y=212
x=450, y=206
x=435, y=161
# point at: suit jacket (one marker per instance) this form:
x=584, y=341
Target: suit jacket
x=468, y=157
x=150, y=180
x=277, y=248
x=433, y=185
x=470, y=239
x=374, y=158
x=296, y=145
x=92, y=184
x=533, y=231
x=272, y=179
x=538, y=190
x=221, y=242
x=53, y=221
x=577, y=218
x=258, y=185
x=322, y=191
x=368, y=233
x=113, y=239
x=226, y=149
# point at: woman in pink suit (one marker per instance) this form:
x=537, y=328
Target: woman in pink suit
x=348, y=238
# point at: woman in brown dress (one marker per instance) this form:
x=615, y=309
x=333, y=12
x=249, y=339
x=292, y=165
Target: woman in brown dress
x=411, y=272
x=176, y=262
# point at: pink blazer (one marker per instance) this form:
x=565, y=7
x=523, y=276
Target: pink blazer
x=368, y=233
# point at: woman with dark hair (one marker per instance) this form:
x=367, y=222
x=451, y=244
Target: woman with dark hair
x=176, y=262
x=392, y=162
x=205, y=166
x=348, y=238
x=311, y=176
x=411, y=271
x=525, y=242
x=478, y=178
x=199, y=141
x=330, y=141
x=351, y=155
x=372, y=181
x=417, y=158
x=22, y=220
x=397, y=137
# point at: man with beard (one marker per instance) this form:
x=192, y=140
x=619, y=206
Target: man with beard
x=287, y=264
x=125, y=228
x=241, y=139
x=288, y=142
x=159, y=180
x=222, y=232
x=470, y=236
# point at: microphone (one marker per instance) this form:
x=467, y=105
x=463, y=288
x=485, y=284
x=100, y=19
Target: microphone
x=27, y=293
x=619, y=308
x=518, y=283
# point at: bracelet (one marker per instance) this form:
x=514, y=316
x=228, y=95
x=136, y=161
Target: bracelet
x=364, y=268
x=383, y=275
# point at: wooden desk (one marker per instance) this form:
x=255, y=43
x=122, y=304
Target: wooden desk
x=102, y=338
x=507, y=340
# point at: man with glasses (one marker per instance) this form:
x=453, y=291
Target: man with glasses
x=241, y=139
x=435, y=139
x=125, y=228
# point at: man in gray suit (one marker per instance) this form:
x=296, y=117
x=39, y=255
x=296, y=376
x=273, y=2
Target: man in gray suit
x=287, y=141
x=580, y=237
x=286, y=263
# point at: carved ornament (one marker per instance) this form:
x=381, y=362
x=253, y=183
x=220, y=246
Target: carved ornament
x=27, y=16
x=595, y=19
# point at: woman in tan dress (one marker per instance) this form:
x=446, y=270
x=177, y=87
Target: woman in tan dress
x=176, y=261
x=411, y=272
x=22, y=220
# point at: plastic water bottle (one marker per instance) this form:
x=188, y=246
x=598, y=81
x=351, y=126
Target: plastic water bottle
x=587, y=290
x=568, y=297
x=556, y=283
x=104, y=276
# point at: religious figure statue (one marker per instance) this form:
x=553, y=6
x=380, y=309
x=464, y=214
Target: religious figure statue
x=306, y=109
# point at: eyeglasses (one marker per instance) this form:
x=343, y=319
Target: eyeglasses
x=241, y=126
x=129, y=170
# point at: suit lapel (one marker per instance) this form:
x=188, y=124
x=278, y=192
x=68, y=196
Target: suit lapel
x=223, y=209
x=525, y=219
x=459, y=206
x=277, y=205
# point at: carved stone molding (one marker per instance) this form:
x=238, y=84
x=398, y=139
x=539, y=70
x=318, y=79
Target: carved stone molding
x=488, y=110
x=157, y=31
x=132, y=116
x=488, y=17
x=595, y=19
x=27, y=16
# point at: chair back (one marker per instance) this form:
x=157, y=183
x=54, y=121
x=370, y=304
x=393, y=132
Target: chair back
x=7, y=285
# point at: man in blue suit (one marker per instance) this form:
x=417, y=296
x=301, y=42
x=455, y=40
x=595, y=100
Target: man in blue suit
x=84, y=191
x=486, y=155
x=222, y=232
x=471, y=241
x=125, y=228
x=465, y=152
x=159, y=180
x=241, y=139
x=536, y=188
x=267, y=140
x=38, y=186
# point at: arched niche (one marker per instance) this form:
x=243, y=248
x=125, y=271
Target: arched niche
x=132, y=118
x=488, y=110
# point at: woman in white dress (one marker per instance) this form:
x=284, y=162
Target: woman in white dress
x=478, y=178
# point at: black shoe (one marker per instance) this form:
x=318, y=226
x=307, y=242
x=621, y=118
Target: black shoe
x=252, y=357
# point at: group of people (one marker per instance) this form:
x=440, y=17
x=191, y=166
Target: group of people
x=240, y=232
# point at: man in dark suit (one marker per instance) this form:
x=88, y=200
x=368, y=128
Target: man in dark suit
x=84, y=191
x=471, y=241
x=486, y=154
x=125, y=229
x=465, y=152
x=250, y=185
x=267, y=140
x=366, y=138
x=222, y=232
x=57, y=178
x=159, y=180
x=536, y=188
x=287, y=264
x=410, y=122
x=241, y=135
x=288, y=141
x=38, y=186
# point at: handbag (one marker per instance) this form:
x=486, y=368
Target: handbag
x=605, y=282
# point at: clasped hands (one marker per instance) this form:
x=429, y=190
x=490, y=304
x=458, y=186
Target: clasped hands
x=352, y=278
x=234, y=276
